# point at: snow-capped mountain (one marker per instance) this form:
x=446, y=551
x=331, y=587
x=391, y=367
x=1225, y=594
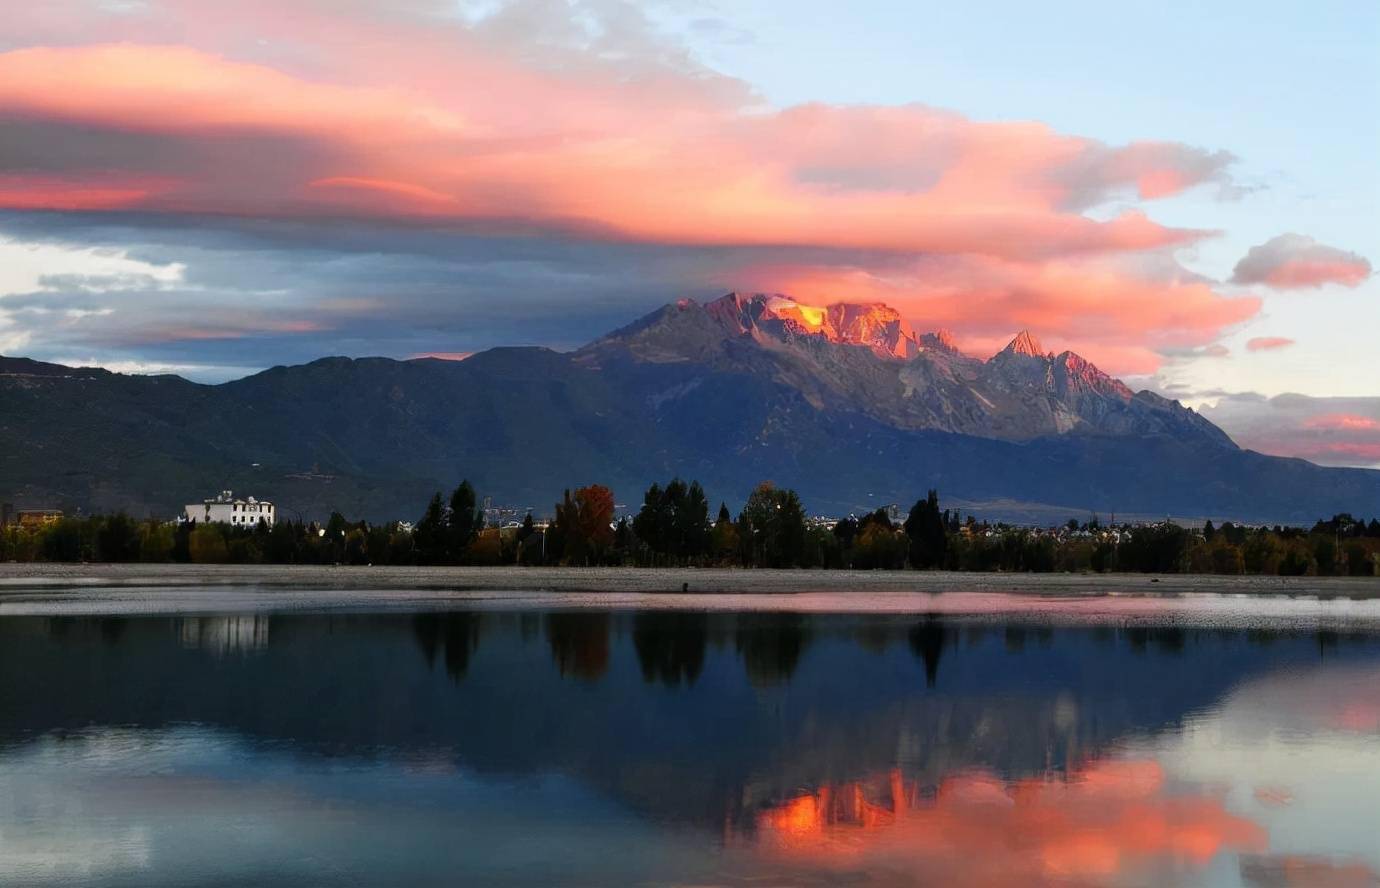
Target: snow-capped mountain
x=866, y=358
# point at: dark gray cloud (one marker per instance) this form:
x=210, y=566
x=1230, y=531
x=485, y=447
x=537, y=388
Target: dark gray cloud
x=255, y=293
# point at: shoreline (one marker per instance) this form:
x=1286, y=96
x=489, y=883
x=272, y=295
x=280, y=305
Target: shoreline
x=37, y=577
x=138, y=590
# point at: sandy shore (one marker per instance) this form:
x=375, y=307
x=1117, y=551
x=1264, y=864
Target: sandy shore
x=28, y=579
x=69, y=589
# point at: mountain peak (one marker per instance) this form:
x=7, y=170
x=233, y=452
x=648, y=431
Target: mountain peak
x=871, y=324
x=1025, y=344
x=941, y=339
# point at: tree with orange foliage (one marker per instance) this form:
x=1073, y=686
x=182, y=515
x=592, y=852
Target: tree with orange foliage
x=584, y=521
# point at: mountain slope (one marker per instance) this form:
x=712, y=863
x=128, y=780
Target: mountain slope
x=849, y=406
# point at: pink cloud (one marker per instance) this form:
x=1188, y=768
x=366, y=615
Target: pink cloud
x=701, y=173
x=1295, y=261
x=1342, y=421
x=1268, y=343
x=1116, y=317
x=443, y=356
x=1332, y=431
x=527, y=121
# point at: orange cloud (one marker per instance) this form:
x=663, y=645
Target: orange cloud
x=1112, y=819
x=416, y=113
x=1115, y=317
x=904, y=179
x=1268, y=343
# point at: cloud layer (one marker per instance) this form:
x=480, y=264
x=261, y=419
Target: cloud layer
x=1330, y=431
x=420, y=177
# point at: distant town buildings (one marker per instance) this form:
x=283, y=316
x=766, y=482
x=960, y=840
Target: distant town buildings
x=225, y=508
x=12, y=517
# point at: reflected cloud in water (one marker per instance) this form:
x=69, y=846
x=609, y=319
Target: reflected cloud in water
x=1106, y=821
x=606, y=747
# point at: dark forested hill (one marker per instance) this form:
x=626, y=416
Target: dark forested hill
x=849, y=423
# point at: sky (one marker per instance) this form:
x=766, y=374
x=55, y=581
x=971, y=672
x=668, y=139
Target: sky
x=1187, y=196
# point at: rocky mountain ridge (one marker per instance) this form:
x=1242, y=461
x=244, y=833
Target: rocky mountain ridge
x=866, y=358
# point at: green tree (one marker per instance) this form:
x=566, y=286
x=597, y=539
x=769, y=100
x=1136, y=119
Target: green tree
x=652, y=524
x=156, y=541
x=691, y=523
x=773, y=524
x=1325, y=555
x=463, y=522
x=430, y=532
x=925, y=528
x=117, y=539
x=1358, y=560
x=207, y=545
x=724, y=536
x=528, y=528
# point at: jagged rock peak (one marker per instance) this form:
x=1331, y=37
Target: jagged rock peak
x=1025, y=344
x=941, y=339
x=871, y=324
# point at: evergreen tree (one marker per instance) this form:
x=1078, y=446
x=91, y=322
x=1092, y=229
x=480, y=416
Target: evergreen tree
x=691, y=522
x=651, y=524
x=773, y=522
x=927, y=533
x=463, y=521
x=430, y=533
x=528, y=528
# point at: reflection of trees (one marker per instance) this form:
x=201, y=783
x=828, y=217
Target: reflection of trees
x=579, y=642
x=927, y=640
x=771, y=645
x=110, y=629
x=456, y=635
x=1167, y=639
x=225, y=635
x=670, y=646
x=875, y=635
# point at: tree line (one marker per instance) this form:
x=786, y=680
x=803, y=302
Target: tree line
x=673, y=527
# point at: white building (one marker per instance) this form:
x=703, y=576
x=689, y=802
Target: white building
x=226, y=509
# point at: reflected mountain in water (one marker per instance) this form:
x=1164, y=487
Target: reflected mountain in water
x=701, y=718
x=1105, y=820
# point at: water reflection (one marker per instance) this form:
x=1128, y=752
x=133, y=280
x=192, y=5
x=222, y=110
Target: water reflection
x=928, y=639
x=771, y=645
x=221, y=635
x=667, y=746
x=670, y=646
x=1107, y=821
x=454, y=635
x=579, y=643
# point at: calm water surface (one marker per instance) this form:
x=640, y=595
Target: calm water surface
x=598, y=747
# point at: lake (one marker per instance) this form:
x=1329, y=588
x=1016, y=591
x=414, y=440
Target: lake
x=1188, y=742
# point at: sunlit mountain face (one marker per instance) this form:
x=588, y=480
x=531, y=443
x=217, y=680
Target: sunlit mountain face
x=649, y=746
x=866, y=358
x=844, y=403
